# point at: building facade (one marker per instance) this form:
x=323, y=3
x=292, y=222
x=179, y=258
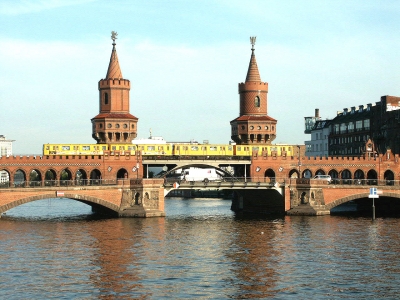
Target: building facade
x=5, y=150
x=352, y=128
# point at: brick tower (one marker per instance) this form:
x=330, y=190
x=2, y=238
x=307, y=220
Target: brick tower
x=114, y=123
x=253, y=126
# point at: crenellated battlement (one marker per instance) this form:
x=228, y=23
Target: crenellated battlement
x=107, y=83
x=251, y=85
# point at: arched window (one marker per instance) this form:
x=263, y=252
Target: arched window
x=105, y=98
x=257, y=101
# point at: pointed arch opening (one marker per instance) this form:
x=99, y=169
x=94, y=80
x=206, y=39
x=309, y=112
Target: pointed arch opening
x=4, y=178
x=389, y=177
x=372, y=177
x=95, y=177
x=19, y=178
x=65, y=177
x=270, y=175
x=257, y=101
x=50, y=178
x=122, y=174
x=81, y=177
x=35, y=178
x=307, y=173
x=294, y=173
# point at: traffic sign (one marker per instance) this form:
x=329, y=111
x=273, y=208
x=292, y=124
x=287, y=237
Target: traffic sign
x=374, y=192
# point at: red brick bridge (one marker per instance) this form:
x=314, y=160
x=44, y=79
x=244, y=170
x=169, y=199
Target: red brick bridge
x=115, y=183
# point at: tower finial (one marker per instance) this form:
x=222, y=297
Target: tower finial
x=114, y=36
x=253, y=42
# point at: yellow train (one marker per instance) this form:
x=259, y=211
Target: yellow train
x=170, y=149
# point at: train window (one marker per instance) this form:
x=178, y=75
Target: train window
x=47, y=147
x=204, y=148
x=160, y=148
x=213, y=148
x=230, y=148
x=121, y=148
x=239, y=148
x=104, y=147
x=113, y=147
x=85, y=147
x=255, y=148
x=66, y=147
x=177, y=147
x=195, y=148
x=185, y=147
x=150, y=148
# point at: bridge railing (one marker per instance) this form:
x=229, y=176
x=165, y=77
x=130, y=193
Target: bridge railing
x=62, y=183
x=283, y=181
x=240, y=180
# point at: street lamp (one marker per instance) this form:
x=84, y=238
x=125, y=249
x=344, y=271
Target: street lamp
x=299, y=163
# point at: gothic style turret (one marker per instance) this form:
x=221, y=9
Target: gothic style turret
x=253, y=126
x=114, y=123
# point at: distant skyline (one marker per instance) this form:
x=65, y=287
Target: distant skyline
x=185, y=59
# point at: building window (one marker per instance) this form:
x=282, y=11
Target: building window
x=343, y=128
x=105, y=98
x=257, y=101
x=358, y=125
x=366, y=124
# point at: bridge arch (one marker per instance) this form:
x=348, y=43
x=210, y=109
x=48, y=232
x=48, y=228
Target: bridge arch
x=89, y=200
x=342, y=200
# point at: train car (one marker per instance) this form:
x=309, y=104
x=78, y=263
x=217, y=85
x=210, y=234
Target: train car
x=267, y=150
x=155, y=149
x=74, y=149
x=202, y=150
x=122, y=148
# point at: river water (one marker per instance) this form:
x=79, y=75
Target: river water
x=201, y=250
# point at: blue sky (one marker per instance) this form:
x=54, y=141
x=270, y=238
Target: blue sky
x=185, y=59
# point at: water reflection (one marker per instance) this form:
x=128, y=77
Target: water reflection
x=200, y=250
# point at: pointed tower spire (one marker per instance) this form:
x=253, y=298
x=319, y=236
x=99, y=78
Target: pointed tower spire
x=252, y=73
x=114, y=123
x=253, y=126
x=114, y=71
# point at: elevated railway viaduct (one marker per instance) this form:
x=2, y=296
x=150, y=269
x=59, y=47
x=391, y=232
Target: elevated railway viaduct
x=118, y=183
